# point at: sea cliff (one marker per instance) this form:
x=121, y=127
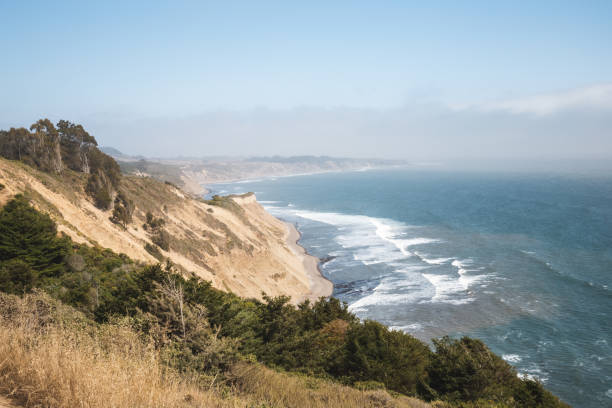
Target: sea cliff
x=231, y=241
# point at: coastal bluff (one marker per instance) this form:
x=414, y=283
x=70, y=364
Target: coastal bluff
x=231, y=241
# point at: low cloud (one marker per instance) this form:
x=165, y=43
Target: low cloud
x=594, y=97
x=567, y=125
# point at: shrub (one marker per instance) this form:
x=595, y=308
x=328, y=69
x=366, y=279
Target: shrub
x=161, y=239
x=466, y=370
x=29, y=246
x=373, y=352
x=97, y=188
x=123, y=210
x=153, y=250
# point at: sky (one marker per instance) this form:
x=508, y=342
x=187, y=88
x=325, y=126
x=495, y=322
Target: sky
x=423, y=81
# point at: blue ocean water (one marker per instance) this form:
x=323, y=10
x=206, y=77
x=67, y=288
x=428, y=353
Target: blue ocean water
x=523, y=262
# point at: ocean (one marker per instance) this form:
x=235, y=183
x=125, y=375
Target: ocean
x=520, y=261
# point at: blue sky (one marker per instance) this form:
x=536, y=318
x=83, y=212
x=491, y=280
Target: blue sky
x=132, y=61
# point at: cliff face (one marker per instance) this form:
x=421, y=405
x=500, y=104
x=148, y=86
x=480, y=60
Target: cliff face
x=233, y=242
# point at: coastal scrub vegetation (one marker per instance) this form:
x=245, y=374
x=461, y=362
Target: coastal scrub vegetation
x=151, y=330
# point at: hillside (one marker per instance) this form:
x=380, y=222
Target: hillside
x=82, y=325
x=232, y=241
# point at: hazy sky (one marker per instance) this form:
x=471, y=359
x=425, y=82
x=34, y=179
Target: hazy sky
x=417, y=80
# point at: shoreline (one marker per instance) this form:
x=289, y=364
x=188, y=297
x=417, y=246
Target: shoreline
x=206, y=184
x=320, y=286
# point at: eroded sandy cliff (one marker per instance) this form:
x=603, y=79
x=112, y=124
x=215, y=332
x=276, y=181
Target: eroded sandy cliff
x=233, y=242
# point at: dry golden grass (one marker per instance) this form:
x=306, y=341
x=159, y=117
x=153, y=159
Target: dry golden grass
x=51, y=356
x=291, y=391
x=62, y=365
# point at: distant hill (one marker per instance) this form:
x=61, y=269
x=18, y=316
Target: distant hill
x=192, y=173
x=111, y=151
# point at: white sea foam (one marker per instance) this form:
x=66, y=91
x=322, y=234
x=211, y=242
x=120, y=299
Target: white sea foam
x=409, y=328
x=268, y=202
x=533, y=372
x=372, y=240
x=256, y=180
x=433, y=261
x=468, y=280
x=447, y=289
x=461, y=264
x=512, y=358
x=392, y=291
x=465, y=279
x=382, y=299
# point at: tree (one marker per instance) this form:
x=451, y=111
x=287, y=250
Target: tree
x=31, y=237
x=123, y=210
x=394, y=358
x=46, y=151
x=467, y=370
x=76, y=144
x=16, y=276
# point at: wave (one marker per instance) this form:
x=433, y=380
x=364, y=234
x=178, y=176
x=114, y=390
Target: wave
x=447, y=289
x=433, y=261
x=371, y=240
x=388, y=232
x=393, y=291
x=567, y=276
x=512, y=358
x=369, y=237
x=409, y=328
x=533, y=372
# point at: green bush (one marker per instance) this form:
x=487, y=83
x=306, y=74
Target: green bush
x=153, y=250
x=123, y=210
x=29, y=245
x=162, y=239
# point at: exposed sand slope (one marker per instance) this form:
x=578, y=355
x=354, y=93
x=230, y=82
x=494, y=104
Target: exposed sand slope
x=235, y=244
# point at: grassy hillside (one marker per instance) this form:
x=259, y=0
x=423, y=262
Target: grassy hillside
x=108, y=329
x=233, y=242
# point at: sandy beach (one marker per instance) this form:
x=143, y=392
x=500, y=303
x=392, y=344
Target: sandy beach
x=319, y=285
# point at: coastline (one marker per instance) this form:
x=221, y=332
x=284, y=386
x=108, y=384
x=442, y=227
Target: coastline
x=320, y=286
x=207, y=185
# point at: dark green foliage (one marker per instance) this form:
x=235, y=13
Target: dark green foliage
x=29, y=242
x=39, y=148
x=529, y=393
x=123, y=210
x=76, y=145
x=16, y=276
x=159, y=236
x=154, y=250
x=227, y=203
x=100, y=190
x=153, y=223
x=391, y=357
x=467, y=370
x=205, y=330
x=104, y=178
